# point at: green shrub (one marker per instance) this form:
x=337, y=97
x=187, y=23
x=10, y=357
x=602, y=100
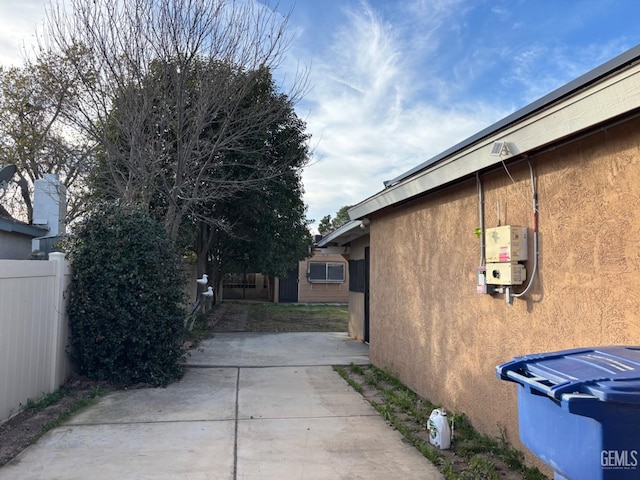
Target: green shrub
x=126, y=308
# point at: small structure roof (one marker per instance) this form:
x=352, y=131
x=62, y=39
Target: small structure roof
x=12, y=225
x=344, y=234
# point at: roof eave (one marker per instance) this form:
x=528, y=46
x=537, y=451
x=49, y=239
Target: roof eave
x=608, y=91
x=344, y=234
x=13, y=226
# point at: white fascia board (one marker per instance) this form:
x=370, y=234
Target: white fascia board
x=351, y=229
x=335, y=250
x=613, y=96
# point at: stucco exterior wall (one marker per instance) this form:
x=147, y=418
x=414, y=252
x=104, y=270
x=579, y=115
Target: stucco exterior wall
x=309, y=292
x=356, y=299
x=356, y=316
x=430, y=327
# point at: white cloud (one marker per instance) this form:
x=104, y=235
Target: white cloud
x=18, y=29
x=368, y=124
x=403, y=82
x=394, y=83
x=543, y=67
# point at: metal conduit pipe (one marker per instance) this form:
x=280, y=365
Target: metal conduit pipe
x=535, y=232
x=481, y=218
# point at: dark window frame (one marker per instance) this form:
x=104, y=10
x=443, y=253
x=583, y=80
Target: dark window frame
x=326, y=272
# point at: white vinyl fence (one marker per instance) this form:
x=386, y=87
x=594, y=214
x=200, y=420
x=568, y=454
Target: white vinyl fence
x=33, y=330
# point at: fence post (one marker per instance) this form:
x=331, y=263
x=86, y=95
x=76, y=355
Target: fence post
x=59, y=362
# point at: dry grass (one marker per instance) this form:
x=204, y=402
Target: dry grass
x=472, y=456
x=270, y=317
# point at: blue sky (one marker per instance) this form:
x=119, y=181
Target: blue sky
x=395, y=82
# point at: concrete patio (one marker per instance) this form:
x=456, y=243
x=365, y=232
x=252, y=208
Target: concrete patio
x=250, y=406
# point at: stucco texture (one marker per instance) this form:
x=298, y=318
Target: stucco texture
x=357, y=299
x=431, y=328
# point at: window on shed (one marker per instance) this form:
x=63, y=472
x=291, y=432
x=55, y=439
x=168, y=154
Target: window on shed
x=325, y=272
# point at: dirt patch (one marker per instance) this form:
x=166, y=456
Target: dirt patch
x=230, y=317
x=26, y=427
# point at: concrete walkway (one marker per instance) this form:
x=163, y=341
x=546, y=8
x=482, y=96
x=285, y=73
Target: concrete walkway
x=251, y=406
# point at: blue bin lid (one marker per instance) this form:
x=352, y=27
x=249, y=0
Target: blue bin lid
x=611, y=374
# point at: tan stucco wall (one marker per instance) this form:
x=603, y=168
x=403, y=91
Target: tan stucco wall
x=322, y=292
x=431, y=328
x=356, y=299
x=356, y=316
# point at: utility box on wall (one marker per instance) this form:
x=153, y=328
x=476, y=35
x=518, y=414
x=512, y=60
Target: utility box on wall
x=505, y=274
x=506, y=244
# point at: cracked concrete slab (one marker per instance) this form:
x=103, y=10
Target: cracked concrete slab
x=203, y=394
x=289, y=392
x=279, y=349
x=250, y=406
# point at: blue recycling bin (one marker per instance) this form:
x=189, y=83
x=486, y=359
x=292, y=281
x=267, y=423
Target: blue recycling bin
x=579, y=410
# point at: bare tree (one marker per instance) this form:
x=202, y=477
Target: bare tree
x=36, y=136
x=165, y=89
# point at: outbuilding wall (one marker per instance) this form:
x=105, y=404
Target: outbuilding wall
x=311, y=292
x=356, y=299
x=430, y=327
x=15, y=246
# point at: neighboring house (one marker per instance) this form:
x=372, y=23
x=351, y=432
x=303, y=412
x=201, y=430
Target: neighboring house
x=321, y=278
x=352, y=241
x=16, y=238
x=566, y=167
x=22, y=241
